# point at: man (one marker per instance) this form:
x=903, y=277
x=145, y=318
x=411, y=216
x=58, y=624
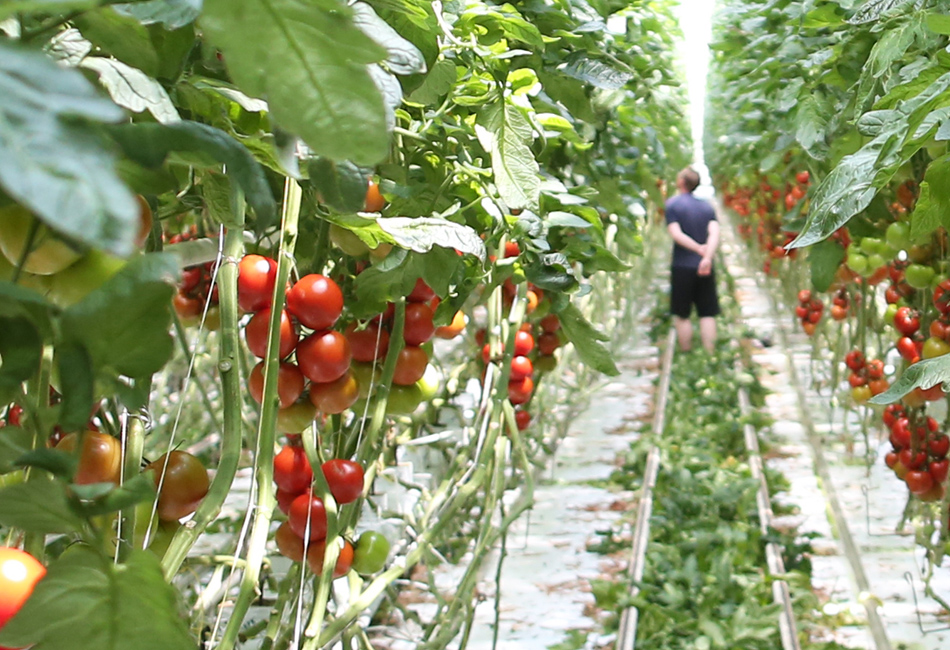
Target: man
x=692, y=224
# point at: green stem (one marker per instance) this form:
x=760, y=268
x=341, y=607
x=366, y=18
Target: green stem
x=231, y=397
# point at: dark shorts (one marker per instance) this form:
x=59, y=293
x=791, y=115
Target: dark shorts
x=688, y=289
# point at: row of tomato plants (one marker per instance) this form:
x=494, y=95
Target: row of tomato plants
x=382, y=173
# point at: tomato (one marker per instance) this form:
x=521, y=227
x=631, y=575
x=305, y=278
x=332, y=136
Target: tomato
x=900, y=471
x=347, y=241
x=317, y=551
x=941, y=296
x=290, y=383
x=519, y=391
x=296, y=418
x=512, y=249
x=838, y=312
x=907, y=321
x=182, y=483
x=933, y=393
x=324, y=356
x=307, y=513
x=316, y=301
x=524, y=343
x=934, y=347
x=918, y=481
x=453, y=329
x=100, y=460
x=939, y=329
x=367, y=343
x=86, y=275
x=939, y=446
x=19, y=573
x=861, y=394
x=410, y=365
x=189, y=309
x=49, y=254
x=548, y=343
x=891, y=458
x=898, y=235
x=891, y=413
x=289, y=544
x=854, y=360
x=292, y=472
x=919, y=276
x=908, y=349
x=809, y=327
x=550, y=323
x=804, y=296
x=521, y=367
x=418, y=327
x=933, y=494
x=345, y=478
x=797, y=193
x=403, y=400
x=421, y=292
x=913, y=460
x=522, y=420
x=857, y=380
x=938, y=470
x=802, y=177
x=257, y=276
x=374, y=201
x=367, y=377
x=370, y=553
x=532, y=299
x=255, y=333
x=878, y=385
x=335, y=396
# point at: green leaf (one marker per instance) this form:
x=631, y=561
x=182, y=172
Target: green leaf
x=52, y=161
x=810, y=125
x=132, y=88
x=505, y=133
x=420, y=234
x=150, y=144
x=824, y=258
x=138, y=489
x=872, y=10
x=11, y=7
x=171, y=13
x=586, y=341
x=933, y=204
x=37, y=506
x=438, y=82
x=121, y=36
x=216, y=192
x=309, y=61
x=923, y=374
x=57, y=462
x=124, y=324
x=403, y=58
x=595, y=73
x=86, y=601
x=341, y=186
x=13, y=443
x=77, y=384
x=938, y=23
x=21, y=349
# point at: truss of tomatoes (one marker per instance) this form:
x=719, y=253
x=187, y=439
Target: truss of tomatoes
x=809, y=311
x=196, y=290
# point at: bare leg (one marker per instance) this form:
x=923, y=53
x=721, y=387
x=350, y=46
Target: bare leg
x=684, y=332
x=707, y=332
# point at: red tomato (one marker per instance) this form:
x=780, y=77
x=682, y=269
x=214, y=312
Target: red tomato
x=316, y=301
x=187, y=308
x=854, y=360
x=410, y=365
x=913, y=460
x=512, y=249
x=875, y=368
x=857, y=380
x=900, y=433
x=292, y=472
x=524, y=343
x=548, y=343
x=374, y=201
x=891, y=413
x=418, y=327
x=422, y=292
x=255, y=333
x=802, y=177
x=284, y=499
x=290, y=383
x=522, y=419
x=257, y=276
x=182, y=483
x=907, y=321
x=369, y=343
x=804, y=296
x=317, y=552
x=345, y=478
x=908, y=349
x=19, y=573
x=335, y=396
x=939, y=446
x=519, y=391
x=938, y=470
x=307, y=513
x=878, y=386
x=453, y=329
x=100, y=460
x=550, y=323
x=289, y=544
x=521, y=367
x=919, y=481
x=324, y=356
x=941, y=296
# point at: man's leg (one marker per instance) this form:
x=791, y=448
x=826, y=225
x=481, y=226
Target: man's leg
x=684, y=332
x=707, y=332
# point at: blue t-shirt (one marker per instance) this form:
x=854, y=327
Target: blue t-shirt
x=693, y=215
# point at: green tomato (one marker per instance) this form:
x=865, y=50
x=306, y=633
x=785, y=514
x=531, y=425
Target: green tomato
x=296, y=418
x=347, y=241
x=898, y=235
x=870, y=245
x=857, y=262
x=370, y=553
x=49, y=254
x=919, y=276
x=365, y=376
x=934, y=347
x=875, y=262
x=430, y=382
x=71, y=285
x=889, y=314
x=403, y=400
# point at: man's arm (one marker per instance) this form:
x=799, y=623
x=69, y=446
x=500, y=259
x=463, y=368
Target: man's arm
x=712, y=243
x=685, y=240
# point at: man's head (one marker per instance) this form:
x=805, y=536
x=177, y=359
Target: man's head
x=687, y=180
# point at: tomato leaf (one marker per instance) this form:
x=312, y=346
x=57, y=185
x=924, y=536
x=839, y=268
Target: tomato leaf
x=38, y=506
x=505, y=134
x=86, y=601
x=13, y=443
x=933, y=204
x=402, y=57
x=21, y=349
x=586, y=340
x=150, y=144
x=138, y=489
x=77, y=384
x=420, y=234
x=309, y=61
x=121, y=36
x=52, y=161
x=124, y=323
x=923, y=374
x=341, y=185
x=55, y=461
x=46, y=6
x=173, y=14
x=132, y=88
x=824, y=259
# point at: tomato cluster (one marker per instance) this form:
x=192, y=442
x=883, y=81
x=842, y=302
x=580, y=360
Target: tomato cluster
x=809, y=311
x=918, y=453
x=196, y=289
x=866, y=378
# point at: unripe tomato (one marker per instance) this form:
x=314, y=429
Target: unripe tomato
x=317, y=552
x=919, y=276
x=19, y=573
x=316, y=301
x=345, y=478
x=335, y=396
x=257, y=276
x=296, y=418
x=934, y=347
x=289, y=544
x=182, y=483
x=403, y=400
x=370, y=553
x=49, y=253
x=410, y=365
x=290, y=383
x=100, y=460
x=374, y=201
